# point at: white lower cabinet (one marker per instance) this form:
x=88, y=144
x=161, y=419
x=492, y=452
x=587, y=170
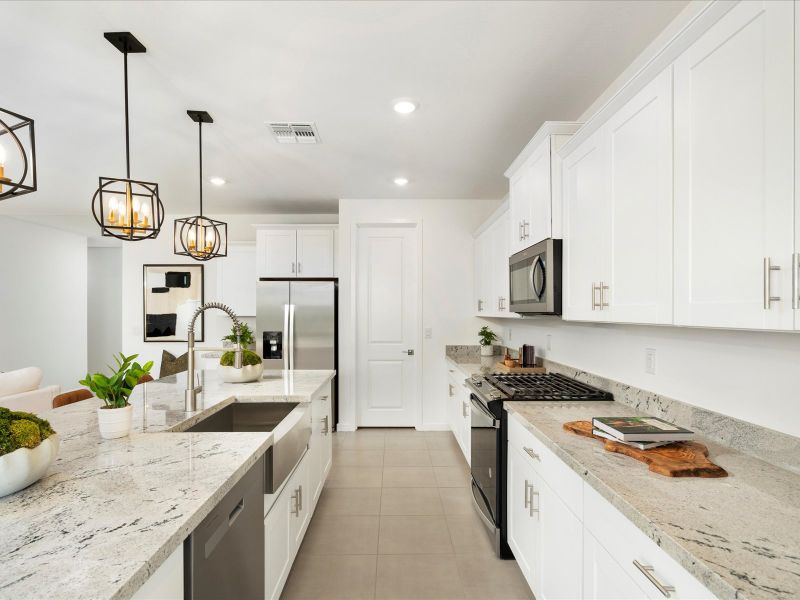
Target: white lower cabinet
x=459, y=412
x=603, y=578
x=290, y=513
x=572, y=543
x=167, y=582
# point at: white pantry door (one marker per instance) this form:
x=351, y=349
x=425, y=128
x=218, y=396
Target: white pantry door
x=387, y=325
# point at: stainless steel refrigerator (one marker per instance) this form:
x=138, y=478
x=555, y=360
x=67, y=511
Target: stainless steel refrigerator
x=296, y=325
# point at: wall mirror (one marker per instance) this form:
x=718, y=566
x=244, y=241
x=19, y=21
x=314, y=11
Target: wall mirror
x=171, y=295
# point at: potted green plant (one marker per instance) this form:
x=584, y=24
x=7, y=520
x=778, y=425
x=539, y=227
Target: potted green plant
x=28, y=446
x=487, y=339
x=115, y=417
x=252, y=365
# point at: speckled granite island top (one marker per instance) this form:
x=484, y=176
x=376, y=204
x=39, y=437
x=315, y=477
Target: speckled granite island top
x=109, y=512
x=739, y=536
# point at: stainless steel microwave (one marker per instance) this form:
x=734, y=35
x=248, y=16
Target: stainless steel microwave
x=535, y=278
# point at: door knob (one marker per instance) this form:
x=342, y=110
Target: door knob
x=410, y=352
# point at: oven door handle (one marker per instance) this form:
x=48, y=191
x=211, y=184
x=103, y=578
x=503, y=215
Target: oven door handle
x=477, y=405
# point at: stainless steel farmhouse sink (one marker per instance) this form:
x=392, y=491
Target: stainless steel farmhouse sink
x=289, y=422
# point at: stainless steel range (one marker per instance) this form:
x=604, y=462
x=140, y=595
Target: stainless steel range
x=490, y=435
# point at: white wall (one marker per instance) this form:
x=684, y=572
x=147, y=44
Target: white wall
x=447, y=274
x=104, y=304
x=160, y=251
x=744, y=374
x=43, y=301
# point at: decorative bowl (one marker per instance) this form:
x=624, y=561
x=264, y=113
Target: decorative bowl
x=22, y=467
x=246, y=374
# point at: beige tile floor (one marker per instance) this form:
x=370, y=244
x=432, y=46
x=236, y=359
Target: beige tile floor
x=396, y=522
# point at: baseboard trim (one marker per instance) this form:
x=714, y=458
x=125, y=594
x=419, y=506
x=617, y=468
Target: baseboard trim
x=434, y=427
x=345, y=427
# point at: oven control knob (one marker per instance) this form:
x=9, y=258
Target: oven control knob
x=495, y=395
x=477, y=380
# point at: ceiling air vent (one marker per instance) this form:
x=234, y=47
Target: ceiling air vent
x=295, y=133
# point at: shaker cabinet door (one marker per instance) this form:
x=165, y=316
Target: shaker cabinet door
x=734, y=171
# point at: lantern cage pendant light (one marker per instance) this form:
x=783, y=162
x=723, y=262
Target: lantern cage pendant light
x=16, y=132
x=199, y=237
x=125, y=208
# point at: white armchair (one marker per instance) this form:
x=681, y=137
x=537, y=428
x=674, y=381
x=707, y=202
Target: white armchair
x=19, y=390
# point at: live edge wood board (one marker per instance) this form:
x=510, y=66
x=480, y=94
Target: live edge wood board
x=682, y=459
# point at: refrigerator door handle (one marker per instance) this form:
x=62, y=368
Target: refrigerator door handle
x=291, y=336
x=286, y=333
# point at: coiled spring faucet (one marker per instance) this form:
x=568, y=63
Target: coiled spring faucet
x=192, y=387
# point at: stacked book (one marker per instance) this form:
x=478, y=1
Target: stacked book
x=640, y=432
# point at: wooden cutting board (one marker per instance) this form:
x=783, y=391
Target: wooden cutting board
x=681, y=459
x=502, y=368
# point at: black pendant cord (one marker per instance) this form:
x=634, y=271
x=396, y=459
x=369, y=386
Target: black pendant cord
x=127, y=129
x=200, y=129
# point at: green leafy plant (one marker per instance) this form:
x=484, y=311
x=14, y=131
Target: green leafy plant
x=246, y=337
x=116, y=389
x=487, y=336
x=21, y=430
x=248, y=358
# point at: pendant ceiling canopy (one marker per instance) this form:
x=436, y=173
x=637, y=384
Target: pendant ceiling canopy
x=17, y=155
x=125, y=208
x=199, y=237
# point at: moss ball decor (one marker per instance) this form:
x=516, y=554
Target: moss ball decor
x=20, y=429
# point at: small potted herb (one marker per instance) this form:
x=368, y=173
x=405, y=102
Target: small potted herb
x=252, y=365
x=28, y=446
x=487, y=339
x=114, y=419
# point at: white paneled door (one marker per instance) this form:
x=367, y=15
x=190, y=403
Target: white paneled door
x=387, y=325
x=734, y=168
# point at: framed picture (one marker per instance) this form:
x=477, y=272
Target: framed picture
x=171, y=295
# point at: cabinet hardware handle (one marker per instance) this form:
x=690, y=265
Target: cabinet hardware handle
x=520, y=231
x=325, y=420
x=533, y=509
x=768, y=297
x=594, y=304
x=299, y=268
x=301, y=497
x=525, y=229
x=795, y=281
x=649, y=572
x=410, y=352
x=450, y=389
x=480, y=305
x=532, y=454
x=292, y=267
x=528, y=487
x=296, y=509
x=603, y=303
x=464, y=409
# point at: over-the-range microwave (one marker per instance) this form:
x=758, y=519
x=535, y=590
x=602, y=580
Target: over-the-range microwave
x=535, y=279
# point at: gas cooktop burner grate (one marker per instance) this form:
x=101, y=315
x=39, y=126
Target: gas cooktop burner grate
x=547, y=386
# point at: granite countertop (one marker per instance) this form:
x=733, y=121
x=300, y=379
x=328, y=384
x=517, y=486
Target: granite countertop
x=471, y=364
x=739, y=535
x=109, y=512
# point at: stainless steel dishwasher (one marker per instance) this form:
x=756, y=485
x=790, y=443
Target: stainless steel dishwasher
x=224, y=555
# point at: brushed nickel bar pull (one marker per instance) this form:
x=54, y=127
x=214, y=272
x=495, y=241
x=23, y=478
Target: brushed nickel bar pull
x=768, y=297
x=464, y=409
x=450, y=389
x=528, y=487
x=795, y=282
x=525, y=229
x=533, y=509
x=648, y=572
x=603, y=303
x=520, y=231
x=532, y=454
x=594, y=304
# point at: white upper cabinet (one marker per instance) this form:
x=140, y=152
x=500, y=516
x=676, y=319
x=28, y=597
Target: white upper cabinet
x=639, y=142
x=586, y=230
x=491, y=267
x=499, y=267
x=534, y=207
x=734, y=140
x=315, y=252
x=237, y=286
x=288, y=252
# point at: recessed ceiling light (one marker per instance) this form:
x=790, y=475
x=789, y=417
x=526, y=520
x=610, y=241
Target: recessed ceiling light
x=405, y=106
x=401, y=181
x=217, y=180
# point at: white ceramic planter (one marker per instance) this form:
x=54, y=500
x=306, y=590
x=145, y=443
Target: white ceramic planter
x=244, y=375
x=21, y=468
x=487, y=350
x=114, y=422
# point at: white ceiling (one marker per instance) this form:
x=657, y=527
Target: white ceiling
x=486, y=75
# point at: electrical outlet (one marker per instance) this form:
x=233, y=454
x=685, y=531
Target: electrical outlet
x=428, y=333
x=549, y=342
x=650, y=361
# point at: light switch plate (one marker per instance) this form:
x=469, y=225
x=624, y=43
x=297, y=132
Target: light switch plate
x=650, y=361
x=549, y=341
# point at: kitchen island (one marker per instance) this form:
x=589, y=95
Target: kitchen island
x=109, y=512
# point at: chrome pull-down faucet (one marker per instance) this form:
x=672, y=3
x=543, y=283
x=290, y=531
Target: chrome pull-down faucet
x=192, y=388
